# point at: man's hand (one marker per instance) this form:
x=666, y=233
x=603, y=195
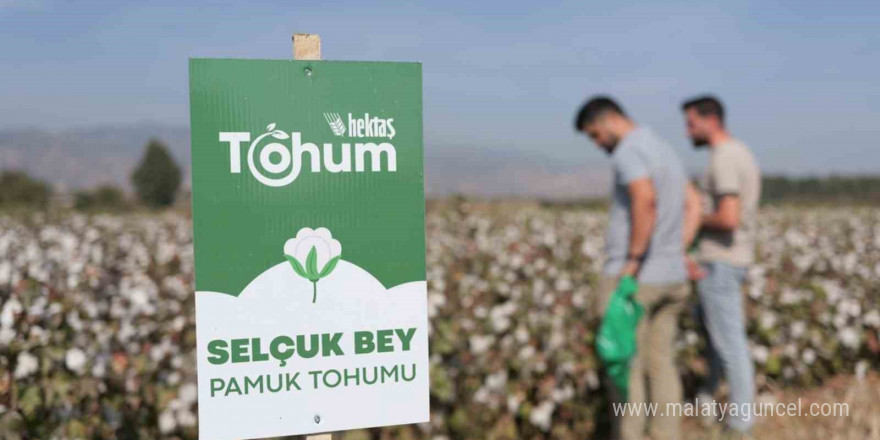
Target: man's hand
x=631, y=268
x=695, y=272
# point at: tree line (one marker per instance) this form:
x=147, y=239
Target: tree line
x=157, y=177
x=821, y=189
x=156, y=182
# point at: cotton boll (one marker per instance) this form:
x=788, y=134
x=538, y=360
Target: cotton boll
x=99, y=369
x=849, y=337
x=186, y=418
x=526, y=353
x=768, y=320
x=809, y=356
x=9, y=312
x=75, y=360
x=6, y=336
x=563, y=285
x=167, y=423
x=513, y=403
x=760, y=354
x=790, y=351
x=480, y=344
x=840, y=320
x=560, y=395
x=6, y=272
x=73, y=321
x=482, y=396
x=26, y=364
x=188, y=393
x=542, y=415
x=861, y=369
x=521, y=334
x=178, y=323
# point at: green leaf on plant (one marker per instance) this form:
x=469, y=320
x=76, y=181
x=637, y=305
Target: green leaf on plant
x=297, y=267
x=330, y=266
x=312, y=264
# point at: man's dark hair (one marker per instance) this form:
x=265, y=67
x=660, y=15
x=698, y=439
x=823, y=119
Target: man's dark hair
x=705, y=105
x=593, y=109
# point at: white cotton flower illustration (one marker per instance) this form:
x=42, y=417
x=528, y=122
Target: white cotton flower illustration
x=320, y=239
x=313, y=254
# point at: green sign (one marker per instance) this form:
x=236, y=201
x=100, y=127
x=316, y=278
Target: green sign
x=308, y=217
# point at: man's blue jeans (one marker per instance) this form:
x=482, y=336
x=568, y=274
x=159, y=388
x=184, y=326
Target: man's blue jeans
x=721, y=309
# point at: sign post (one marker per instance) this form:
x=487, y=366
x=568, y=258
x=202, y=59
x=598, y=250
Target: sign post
x=308, y=47
x=308, y=217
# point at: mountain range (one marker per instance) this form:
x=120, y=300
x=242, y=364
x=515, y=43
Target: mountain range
x=82, y=158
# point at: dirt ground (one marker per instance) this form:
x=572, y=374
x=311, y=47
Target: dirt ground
x=862, y=423
x=862, y=398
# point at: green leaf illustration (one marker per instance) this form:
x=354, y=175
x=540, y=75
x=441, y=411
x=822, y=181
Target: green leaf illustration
x=310, y=271
x=312, y=265
x=297, y=267
x=329, y=266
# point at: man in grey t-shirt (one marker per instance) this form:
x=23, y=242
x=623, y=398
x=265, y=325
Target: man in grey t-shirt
x=733, y=188
x=647, y=232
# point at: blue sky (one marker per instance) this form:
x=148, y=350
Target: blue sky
x=799, y=78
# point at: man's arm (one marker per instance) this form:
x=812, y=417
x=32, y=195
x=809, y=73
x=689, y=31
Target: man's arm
x=726, y=215
x=725, y=175
x=643, y=214
x=692, y=212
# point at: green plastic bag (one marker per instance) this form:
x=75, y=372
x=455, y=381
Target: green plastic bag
x=616, y=342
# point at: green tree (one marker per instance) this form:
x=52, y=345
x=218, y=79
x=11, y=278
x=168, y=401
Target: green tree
x=103, y=197
x=157, y=177
x=821, y=189
x=19, y=189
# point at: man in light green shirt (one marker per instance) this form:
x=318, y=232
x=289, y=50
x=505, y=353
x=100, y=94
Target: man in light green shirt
x=732, y=185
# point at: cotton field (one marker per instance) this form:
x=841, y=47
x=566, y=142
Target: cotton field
x=97, y=336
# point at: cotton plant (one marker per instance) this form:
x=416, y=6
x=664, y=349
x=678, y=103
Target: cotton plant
x=102, y=306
